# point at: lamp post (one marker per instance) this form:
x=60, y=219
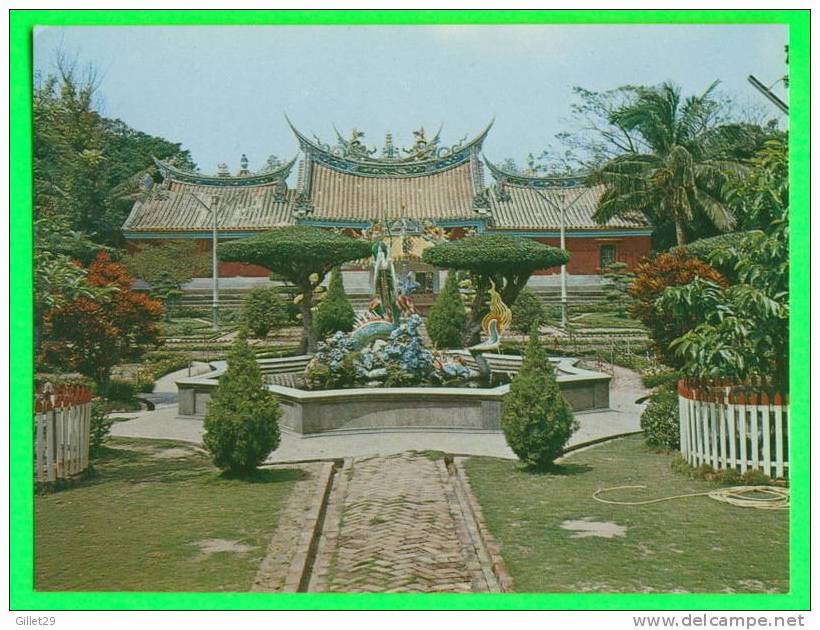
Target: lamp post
x=213, y=209
x=562, y=227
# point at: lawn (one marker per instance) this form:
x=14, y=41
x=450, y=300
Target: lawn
x=157, y=516
x=687, y=545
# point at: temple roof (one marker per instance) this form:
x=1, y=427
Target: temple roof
x=425, y=157
x=350, y=183
x=528, y=202
x=241, y=208
x=171, y=172
x=445, y=194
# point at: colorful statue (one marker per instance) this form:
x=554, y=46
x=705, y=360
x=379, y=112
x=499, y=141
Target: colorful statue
x=494, y=323
x=384, y=312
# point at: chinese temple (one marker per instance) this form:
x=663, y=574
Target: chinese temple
x=351, y=186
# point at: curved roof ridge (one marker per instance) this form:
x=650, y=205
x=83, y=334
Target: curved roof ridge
x=442, y=158
x=255, y=179
x=537, y=181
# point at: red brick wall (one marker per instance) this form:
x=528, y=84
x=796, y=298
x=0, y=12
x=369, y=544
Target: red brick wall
x=226, y=269
x=585, y=251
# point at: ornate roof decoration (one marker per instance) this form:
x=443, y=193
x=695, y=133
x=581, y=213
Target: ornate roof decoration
x=424, y=157
x=277, y=175
x=503, y=177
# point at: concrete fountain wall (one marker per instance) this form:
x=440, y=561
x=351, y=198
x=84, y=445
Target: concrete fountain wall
x=393, y=408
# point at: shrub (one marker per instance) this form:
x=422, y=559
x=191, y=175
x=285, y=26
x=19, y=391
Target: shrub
x=617, y=288
x=527, y=310
x=263, y=310
x=536, y=420
x=120, y=390
x=659, y=420
x=335, y=312
x=100, y=427
x=241, y=426
x=445, y=323
x=92, y=335
x=652, y=277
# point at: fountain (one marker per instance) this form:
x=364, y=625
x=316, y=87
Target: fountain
x=381, y=376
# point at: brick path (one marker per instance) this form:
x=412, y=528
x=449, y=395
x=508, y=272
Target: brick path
x=395, y=524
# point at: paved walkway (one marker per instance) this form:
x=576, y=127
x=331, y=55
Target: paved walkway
x=623, y=417
x=393, y=525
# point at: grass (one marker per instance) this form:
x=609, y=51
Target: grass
x=155, y=519
x=694, y=544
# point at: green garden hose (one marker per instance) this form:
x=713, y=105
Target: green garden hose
x=773, y=497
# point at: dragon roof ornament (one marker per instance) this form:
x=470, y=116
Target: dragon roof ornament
x=424, y=157
x=276, y=175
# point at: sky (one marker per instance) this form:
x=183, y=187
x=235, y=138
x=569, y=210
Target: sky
x=222, y=91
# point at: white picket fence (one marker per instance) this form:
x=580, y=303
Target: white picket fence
x=62, y=429
x=728, y=430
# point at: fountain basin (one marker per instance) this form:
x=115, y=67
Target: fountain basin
x=397, y=408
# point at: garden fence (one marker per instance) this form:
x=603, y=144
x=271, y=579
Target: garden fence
x=62, y=427
x=726, y=428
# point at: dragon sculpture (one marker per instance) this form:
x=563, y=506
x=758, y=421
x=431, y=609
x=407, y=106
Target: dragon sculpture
x=390, y=303
x=493, y=324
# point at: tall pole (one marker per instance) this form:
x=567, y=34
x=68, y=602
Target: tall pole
x=563, y=268
x=214, y=263
x=562, y=209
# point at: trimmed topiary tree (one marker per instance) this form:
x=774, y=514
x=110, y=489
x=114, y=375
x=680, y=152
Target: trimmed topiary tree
x=509, y=261
x=536, y=420
x=528, y=310
x=445, y=323
x=263, y=310
x=335, y=313
x=242, y=423
x=302, y=255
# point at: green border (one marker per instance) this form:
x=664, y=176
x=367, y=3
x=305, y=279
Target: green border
x=22, y=595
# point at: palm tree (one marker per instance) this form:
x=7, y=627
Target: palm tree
x=678, y=177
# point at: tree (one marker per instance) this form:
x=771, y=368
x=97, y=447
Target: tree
x=301, y=254
x=242, y=423
x=87, y=167
x=263, y=310
x=59, y=275
x=652, y=277
x=93, y=334
x=508, y=261
x=617, y=289
x=743, y=332
x=527, y=310
x=744, y=329
x=674, y=178
x=445, y=323
x=335, y=313
x=536, y=420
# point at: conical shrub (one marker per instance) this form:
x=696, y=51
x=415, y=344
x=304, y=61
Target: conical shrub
x=335, y=312
x=445, y=323
x=536, y=420
x=242, y=423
